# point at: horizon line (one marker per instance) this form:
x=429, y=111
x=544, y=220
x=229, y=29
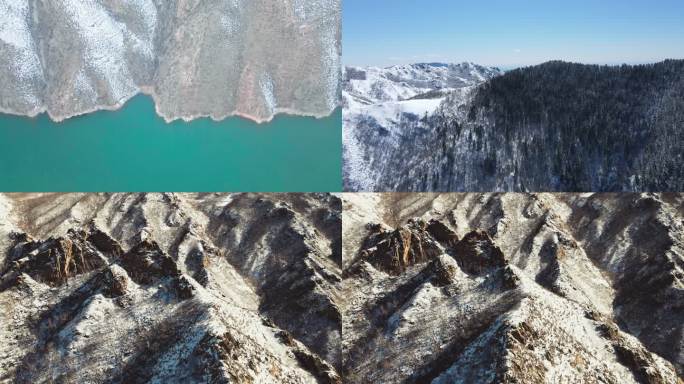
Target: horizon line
x=516, y=66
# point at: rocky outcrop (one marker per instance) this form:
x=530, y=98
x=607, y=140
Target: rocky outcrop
x=396, y=250
x=52, y=261
x=178, y=288
x=476, y=253
x=517, y=288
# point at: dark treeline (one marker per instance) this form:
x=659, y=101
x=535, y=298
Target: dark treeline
x=553, y=127
x=622, y=121
x=575, y=127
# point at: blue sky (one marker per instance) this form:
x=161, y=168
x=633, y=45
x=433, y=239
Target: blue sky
x=511, y=33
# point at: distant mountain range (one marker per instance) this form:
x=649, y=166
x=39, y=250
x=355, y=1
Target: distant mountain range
x=553, y=127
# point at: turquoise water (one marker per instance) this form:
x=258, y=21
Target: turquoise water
x=133, y=149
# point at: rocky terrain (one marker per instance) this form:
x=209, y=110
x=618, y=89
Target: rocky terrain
x=170, y=288
x=360, y=288
x=216, y=58
x=552, y=127
x=513, y=288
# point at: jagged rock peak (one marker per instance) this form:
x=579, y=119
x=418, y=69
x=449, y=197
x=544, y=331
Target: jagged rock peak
x=208, y=284
x=559, y=288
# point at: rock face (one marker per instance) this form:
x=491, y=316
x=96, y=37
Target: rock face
x=552, y=127
x=177, y=288
x=212, y=58
x=513, y=288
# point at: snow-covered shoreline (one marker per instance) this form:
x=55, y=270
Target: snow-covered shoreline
x=68, y=59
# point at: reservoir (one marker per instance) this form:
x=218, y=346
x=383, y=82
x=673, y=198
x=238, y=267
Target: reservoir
x=133, y=149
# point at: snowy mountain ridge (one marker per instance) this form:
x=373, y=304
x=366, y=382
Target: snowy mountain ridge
x=512, y=288
x=403, y=82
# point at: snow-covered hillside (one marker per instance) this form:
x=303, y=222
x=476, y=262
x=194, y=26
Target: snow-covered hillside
x=384, y=99
x=512, y=288
x=170, y=288
x=209, y=58
x=555, y=126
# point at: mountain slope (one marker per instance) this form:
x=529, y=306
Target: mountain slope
x=552, y=127
x=137, y=288
x=382, y=105
x=212, y=58
x=513, y=288
x=382, y=288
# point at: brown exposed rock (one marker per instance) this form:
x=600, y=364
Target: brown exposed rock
x=641, y=364
x=116, y=283
x=323, y=371
x=104, y=243
x=609, y=331
x=197, y=261
x=394, y=251
x=525, y=366
x=146, y=262
x=286, y=338
x=476, y=253
x=218, y=355
x=444, y=273
x=510, y=279
x=634, y=357
x=184, y=288
x=53, y=260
